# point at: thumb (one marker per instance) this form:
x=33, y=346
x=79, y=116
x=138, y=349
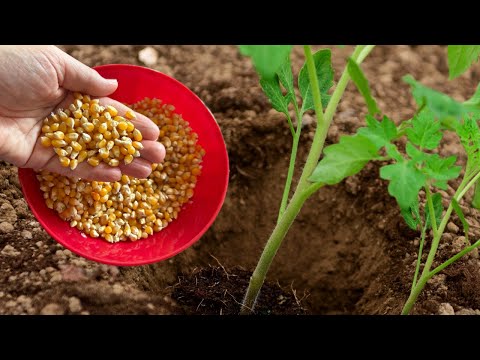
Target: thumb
x=81, y=78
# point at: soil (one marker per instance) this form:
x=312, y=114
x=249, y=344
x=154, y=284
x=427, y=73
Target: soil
x=349, y=251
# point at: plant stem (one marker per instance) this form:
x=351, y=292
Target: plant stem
x=273, y=243
x=419, y=258
x=431, y=209
x=304, y=188
x=465, y=185
x=424, y=279
x=291, y=165
x=321, y=132
x=312, y=77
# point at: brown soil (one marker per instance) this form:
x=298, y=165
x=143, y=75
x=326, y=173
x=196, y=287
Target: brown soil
x=349, y=251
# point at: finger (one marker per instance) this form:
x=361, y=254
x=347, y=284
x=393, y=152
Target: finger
x=79, y=77
x=139, y=168
x=102, y=172
x=153, y=151
x=146, y=126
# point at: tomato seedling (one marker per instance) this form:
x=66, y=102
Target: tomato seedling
x=412, y=171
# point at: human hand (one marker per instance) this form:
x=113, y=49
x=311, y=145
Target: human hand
x=35, y=81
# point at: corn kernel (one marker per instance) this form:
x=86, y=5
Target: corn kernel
x=45, y=141
x=93, y=161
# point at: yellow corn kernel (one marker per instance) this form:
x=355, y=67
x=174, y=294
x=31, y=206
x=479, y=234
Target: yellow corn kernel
x=104, y=153
x=71, y=137
x=130, y=114
x=93, y=161
x=128, y=159
x=64, y=161
x=63, y=115
x=122, y=126
x=70, y=123
x=60, y=152
x=114, y=162
x=73, y=164
x=45, y=141
x=102, y=128
x=102, y=144
x=131, y=150
x=130, y=127
x=94, y=108
x=77, y=114
x=58, y=135
x=88, y=127
x=54, y=127
x=76, y=146
x=108, y=230
x=137, y=145
x=111, y=110
x=59, y=143
x=137, y=135
x=82, y=156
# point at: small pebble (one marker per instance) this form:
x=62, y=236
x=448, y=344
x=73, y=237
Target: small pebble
x=6, y=227
x=452, y=227
x=446, y=309
x=27, y=234
x=52, y=309
x=74, y=304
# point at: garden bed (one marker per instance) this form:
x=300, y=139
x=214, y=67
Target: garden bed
x=349, y=251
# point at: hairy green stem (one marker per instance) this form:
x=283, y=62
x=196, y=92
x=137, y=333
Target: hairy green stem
x=431, y=209
x=419, y=258
x=291, y=169
x=273, y=243
x=304, y=188
x=321, y=132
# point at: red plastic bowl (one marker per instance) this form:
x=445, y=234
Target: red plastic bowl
x=136, y=83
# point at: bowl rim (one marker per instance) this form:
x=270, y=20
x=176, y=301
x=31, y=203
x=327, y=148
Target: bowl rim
x=23, y=175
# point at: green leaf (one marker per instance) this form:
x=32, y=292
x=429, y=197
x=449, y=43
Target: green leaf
x=473, y=104
x=411, y=215
x=441, y=170
x=476, y=196
x=323, y=65
x=425, y=131
x=461, y=216
x=361, y=81
x=266, y=58
x=460, y=58
x=405, y=181
x=416, y=155
x=344, y=159
x=380, y=133
x=393, y=152
x=271, y=88
x=442, y=106
x=437, y=208
x=286, y=77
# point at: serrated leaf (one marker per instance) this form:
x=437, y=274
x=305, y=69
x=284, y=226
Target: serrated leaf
x=393, y=152
x=271, y=88
x=412, y=216
x=344, y=159
x=437, y=208
x=285, y=76
x=363, y=87
x=416, y=155
x=380, y=133
x=425, y=131
x=442, y=105
x=460, y=58
x=441, y=170
x=323, y=65
x=267, y=59
x=405, y=182
x=461, y=216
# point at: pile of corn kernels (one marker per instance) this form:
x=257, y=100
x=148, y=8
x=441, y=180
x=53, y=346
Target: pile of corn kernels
x=132, y=209
x=89, y=131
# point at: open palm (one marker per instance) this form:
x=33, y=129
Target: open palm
x=35, y=81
